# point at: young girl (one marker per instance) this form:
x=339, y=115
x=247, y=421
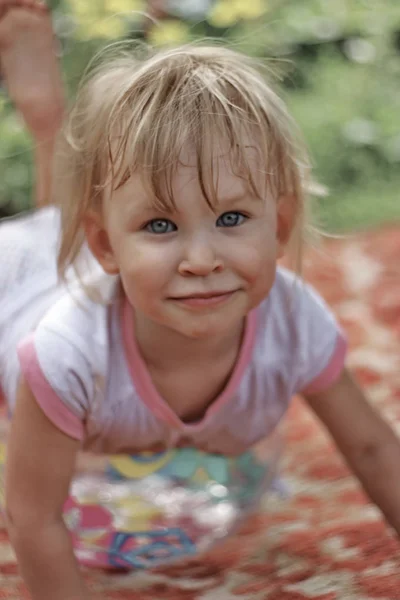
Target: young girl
x=180, y=172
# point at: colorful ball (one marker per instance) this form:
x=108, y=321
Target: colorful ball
x=150, y=509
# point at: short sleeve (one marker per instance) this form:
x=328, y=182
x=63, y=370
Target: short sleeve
x=60, y=378
x=323, y=344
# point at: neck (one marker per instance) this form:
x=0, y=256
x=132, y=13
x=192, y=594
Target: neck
x=163, y=348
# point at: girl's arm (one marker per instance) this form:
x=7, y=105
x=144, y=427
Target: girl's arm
x=367, y=442
x=40, y=465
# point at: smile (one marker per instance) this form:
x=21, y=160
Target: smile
x=204, y=300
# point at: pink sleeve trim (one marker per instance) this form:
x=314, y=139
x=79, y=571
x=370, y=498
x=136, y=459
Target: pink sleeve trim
x=53, y=407
x=331, y=372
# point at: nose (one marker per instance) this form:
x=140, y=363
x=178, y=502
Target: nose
x=200, y=258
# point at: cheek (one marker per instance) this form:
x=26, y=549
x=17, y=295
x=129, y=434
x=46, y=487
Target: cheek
x=145, y=267
x=257, y=259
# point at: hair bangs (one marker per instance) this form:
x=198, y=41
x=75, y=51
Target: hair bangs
x=198, y=127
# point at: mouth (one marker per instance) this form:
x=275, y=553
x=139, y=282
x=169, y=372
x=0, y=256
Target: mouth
x=204, y=299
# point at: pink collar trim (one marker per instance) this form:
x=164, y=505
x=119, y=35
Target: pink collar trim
x=144, y=384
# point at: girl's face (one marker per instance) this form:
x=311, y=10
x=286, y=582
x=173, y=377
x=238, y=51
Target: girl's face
x=194, y=270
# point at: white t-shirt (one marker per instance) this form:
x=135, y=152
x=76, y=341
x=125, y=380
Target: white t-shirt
x=80, y=358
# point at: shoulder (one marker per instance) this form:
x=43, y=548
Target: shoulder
x=72, y=340
x=293, y=302
x=290, y=286
x=301, y=332
x=81, y=316
x=66, y=356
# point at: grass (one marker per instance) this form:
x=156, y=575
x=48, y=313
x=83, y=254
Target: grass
x=361, y=208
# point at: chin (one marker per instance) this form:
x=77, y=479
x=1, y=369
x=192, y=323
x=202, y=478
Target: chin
x=210, y=328
x=195, y=332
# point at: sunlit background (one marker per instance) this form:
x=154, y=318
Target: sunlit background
x=339, y=62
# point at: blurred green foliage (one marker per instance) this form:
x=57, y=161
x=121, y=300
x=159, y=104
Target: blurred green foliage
x=339, y=64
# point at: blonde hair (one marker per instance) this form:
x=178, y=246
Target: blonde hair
x=138, y=114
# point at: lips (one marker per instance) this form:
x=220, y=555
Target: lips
x=203, y=295
x=204, y=299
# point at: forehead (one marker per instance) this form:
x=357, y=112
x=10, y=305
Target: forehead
x=219, y=165
x=221, y=172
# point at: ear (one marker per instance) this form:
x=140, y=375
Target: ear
x=285, y=220
x=99, y=242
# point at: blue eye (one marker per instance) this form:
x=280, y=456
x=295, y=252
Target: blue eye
x=160, y=226
x=230, y=219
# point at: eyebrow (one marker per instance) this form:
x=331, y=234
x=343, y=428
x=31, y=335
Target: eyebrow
x=145, y=210
x=237, y=198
